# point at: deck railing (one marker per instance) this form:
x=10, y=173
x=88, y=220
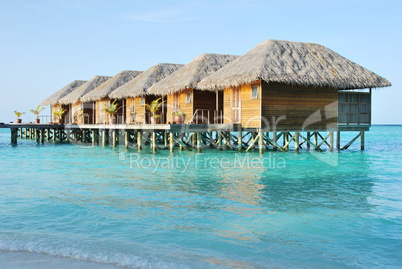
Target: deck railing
x=206, y=116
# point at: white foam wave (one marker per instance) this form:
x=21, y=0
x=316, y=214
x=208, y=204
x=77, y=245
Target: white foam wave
x=89, y=254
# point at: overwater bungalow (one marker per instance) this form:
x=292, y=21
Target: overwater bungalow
x=135, y=92
x=181, y=93
x=79, y=112
x=98, y=98
x=294, y=86
x=53, y=100
x=278, y=90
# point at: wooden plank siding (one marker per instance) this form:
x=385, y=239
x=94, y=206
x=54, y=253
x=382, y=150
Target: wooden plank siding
x=250, y=109
x=180, y=104
x=297, y=104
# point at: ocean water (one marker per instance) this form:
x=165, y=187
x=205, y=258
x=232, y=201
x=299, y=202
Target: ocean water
x=71, y=206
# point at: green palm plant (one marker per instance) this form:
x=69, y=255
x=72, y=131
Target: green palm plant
x=18, y=114
x=59, y=113
x=153, y=107
x=36, y=112
x=112, y=109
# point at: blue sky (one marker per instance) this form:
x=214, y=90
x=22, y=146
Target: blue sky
x=45, y=44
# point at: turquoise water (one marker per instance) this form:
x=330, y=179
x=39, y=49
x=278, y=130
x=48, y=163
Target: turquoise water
x=209, y=210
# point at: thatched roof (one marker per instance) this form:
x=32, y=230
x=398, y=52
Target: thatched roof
x=294, y=63
x=88, y=86
x=54, y=98
x=192, y=73
x=109, y=86
x=139, y=85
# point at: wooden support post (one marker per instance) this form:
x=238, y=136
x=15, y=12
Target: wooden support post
x=338, y=140
x=125, y=138
x=308, y=141
x=297, y=145
x=362, y=140
x=93, y=138
x=274, y=140
x=37, y=135
x=153, y=142
x=193, y=139
x=114, y=138
x=103, y=138
x=42, y=136
x=165, y=138
x=14, y=136
x=331, y=141
x=139, y=140
x=240, y=141
x=171, y=142
x=198, y=141
x=315, y=139
x=261, y=142
x=219, y=143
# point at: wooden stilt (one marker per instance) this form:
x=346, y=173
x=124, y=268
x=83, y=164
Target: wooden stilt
x=331, y=141
x=165, y=138
x=42, y=136
x=126, y=138
x=338, y=140
x=261, y=142
x=315, y=139
x=362, y=140
x=198, y=141
x=14, y=136
x=153, y=142
x=93, y=138
x=113, y=138
x=103, y=138
x=139, y=140
x=308, y=140
x=240, y=141
x=219, y=143
x=297, y=145
x=171, y=143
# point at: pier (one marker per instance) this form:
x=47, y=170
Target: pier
x=189, y=136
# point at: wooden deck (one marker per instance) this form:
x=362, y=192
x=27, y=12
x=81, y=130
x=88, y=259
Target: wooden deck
x=188, y=136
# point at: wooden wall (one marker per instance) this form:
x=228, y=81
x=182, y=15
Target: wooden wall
x=182, y=105
x=101, y=116
x=134, y=110
x=250, y=109
x=309, y=107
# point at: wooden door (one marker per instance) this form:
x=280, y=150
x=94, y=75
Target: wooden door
x=236, y=105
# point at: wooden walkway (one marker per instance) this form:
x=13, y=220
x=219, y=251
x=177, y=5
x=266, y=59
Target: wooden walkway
x=187, y=136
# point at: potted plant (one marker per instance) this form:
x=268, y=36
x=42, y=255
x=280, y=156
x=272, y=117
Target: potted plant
x=153, y=107
x=36, y=112
x=111, y=110
x=178, y=117
x=78, y=114
x=59, y=113
x=18, y=114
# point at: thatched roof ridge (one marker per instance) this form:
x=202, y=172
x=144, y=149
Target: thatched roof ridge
x=105, y=89
x=294, y=63
x=189, y=75
x=55, y=97
x=139, y=85
x=88, y=86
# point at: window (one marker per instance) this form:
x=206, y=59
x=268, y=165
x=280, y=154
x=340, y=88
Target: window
x=142, y=101
x=188, y=98
x=254, y=92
